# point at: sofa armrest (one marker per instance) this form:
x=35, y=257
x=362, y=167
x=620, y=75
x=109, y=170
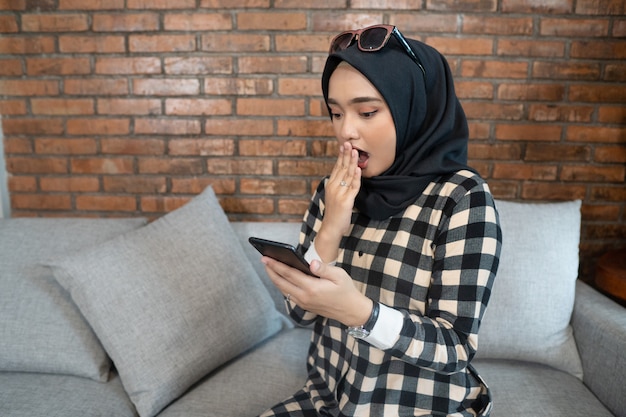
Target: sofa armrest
x=600, y=331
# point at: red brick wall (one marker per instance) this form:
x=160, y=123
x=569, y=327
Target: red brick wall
x=130, y=107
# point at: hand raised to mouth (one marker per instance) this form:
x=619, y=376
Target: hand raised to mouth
x=341, y=188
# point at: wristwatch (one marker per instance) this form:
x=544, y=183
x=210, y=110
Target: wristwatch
x=361, y=332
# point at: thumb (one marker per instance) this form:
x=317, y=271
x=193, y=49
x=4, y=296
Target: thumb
x=318, y=267
x=327, y=271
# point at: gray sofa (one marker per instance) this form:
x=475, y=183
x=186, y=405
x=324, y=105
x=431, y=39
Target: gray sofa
x=117, y=317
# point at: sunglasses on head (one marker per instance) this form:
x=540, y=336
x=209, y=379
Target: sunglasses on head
x=372, y=39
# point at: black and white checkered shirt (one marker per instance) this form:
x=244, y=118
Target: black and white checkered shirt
x=435, y=263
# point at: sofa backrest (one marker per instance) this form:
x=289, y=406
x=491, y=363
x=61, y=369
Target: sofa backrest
x=529, y=313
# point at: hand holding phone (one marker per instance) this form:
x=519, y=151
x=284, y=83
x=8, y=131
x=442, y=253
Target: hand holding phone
x=282, y=252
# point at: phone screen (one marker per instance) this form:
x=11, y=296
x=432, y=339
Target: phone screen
x=282, y=252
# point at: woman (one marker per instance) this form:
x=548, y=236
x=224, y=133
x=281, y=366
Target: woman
x=404, y=237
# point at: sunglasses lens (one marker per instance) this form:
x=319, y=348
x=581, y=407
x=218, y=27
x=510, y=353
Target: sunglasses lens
x=341, y=42
x=373, y=38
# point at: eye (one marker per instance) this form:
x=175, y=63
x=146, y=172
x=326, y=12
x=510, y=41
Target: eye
x=335, y=116
x=368, y=114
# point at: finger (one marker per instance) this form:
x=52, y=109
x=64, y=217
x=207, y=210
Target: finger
x=337, y=173
x=343, y=158
x=287, y=290
x=346, y=153
x=284, y=277
x=351, y=175
x=322, y=270
x=317, y=267
x=355, y=183
x=353, y=165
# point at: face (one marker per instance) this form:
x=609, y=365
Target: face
x=361, y=117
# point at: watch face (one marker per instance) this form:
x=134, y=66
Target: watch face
x=358, y=332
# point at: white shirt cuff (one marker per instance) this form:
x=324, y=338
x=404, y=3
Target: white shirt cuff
x=386, y=331
x=311, y=255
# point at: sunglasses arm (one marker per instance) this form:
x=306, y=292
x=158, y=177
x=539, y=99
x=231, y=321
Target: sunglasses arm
x=408, y=48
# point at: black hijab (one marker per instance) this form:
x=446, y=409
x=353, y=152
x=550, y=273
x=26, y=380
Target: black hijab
x=431, y=129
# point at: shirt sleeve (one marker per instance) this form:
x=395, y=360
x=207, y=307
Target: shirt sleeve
x=465, y=260
x=312, y=255
x=386, y=331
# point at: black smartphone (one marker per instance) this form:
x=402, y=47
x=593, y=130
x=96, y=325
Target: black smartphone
x=282, y=252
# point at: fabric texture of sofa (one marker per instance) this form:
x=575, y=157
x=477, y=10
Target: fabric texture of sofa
x=121, y=317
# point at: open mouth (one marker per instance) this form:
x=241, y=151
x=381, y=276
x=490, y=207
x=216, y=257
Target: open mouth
x=363, y=158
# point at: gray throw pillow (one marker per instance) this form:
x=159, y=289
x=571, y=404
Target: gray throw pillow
x=528, y=317
x=41, y=330
x=171, y=301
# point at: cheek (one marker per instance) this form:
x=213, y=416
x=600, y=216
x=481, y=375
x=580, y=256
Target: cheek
x=336, y=131
x=387, y=150
x=336, y=128
x=385, y=138
x=389, y=143
x=389, y=156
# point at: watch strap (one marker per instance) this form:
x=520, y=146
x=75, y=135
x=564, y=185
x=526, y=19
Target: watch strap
x=369, y=324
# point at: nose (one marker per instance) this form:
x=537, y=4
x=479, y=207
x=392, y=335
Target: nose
x=348, y=129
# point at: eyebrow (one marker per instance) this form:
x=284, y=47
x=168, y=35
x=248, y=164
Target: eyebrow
x=356, y=100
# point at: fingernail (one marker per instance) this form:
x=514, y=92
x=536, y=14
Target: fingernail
x=315, y=265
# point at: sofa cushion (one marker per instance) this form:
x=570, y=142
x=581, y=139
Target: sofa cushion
x=528, y=317
x=530, y=389
x=251, y=384
x=40, y=328
x=171, y=301
x=46, y=395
